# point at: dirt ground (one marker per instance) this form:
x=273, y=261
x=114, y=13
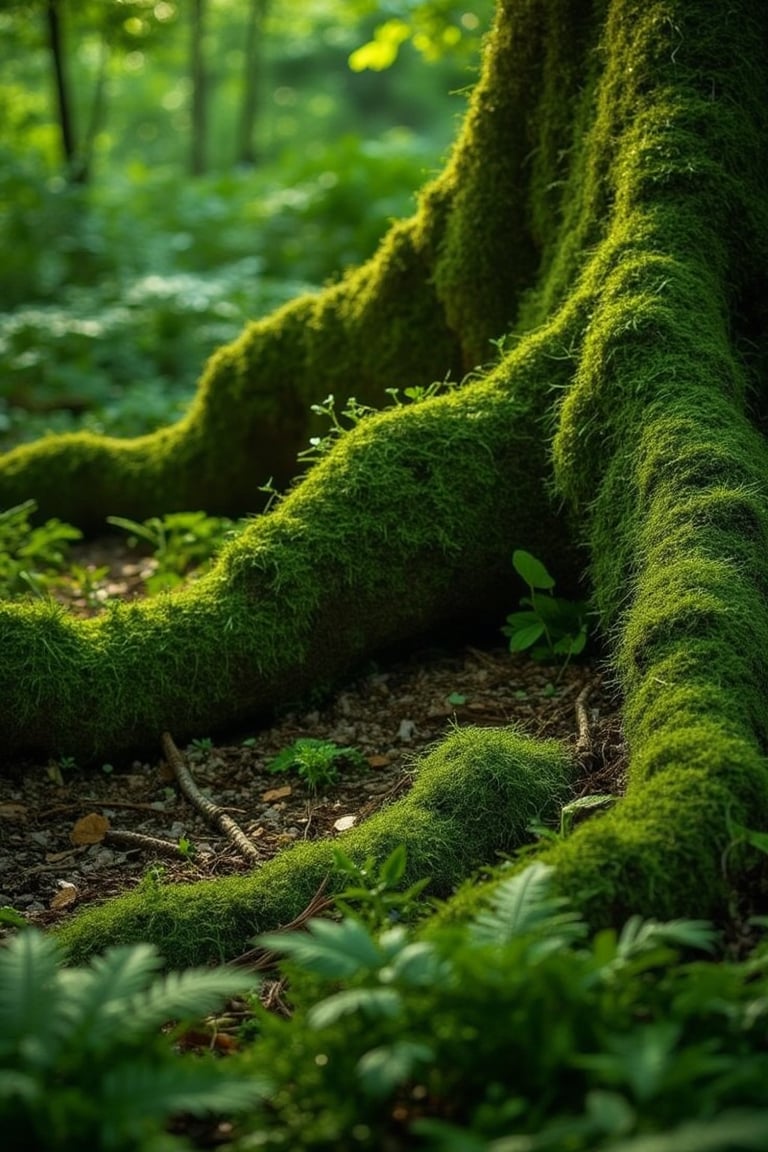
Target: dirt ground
x=70, y=837
x=48, y=869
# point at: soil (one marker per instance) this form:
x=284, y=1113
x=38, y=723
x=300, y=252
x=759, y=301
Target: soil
x=61, y=827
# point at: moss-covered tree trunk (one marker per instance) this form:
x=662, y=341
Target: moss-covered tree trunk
x=605, y=212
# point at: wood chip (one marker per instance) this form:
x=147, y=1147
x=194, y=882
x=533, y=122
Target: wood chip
x=277, y=793
x=378, y=761
x=68, y=895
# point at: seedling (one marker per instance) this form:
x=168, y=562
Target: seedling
x=316, y=761
x=374, y=894
x=353, y=412
x=547, y=625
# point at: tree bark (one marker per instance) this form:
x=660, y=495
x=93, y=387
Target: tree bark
x=61, y=88
x=604, y=214
x=246, y=151
x=199, y=90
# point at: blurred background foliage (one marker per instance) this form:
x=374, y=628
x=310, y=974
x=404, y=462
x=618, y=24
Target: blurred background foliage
x=170, y=170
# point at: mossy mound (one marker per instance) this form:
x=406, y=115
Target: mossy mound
x=473, y=797
x=605, y=212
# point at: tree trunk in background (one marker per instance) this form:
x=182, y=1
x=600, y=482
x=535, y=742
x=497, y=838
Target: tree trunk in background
x=246, y=149
x=55, y=37
x=199, y=89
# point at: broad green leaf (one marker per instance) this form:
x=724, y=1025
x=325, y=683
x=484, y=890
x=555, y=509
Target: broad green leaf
x=525, y=904
x=420, y=965
x=183, y=996
x=381, y=52
x=532, y=570
x=522, y=638
x=30, y=994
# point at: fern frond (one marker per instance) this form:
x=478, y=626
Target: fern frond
x=30, y=996
x=640, y=936
x=137, y=1091
x=183, y=996
x=98, y=996
x=525, y=904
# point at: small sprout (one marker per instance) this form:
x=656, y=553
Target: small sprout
x=456, y=698
x=316, y=761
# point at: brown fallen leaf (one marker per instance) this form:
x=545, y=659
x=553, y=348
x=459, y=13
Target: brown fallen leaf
x=65, y=897
x=277, y=793
x=378, y=761
x=90, y=829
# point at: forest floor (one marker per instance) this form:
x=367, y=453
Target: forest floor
x=61, y=826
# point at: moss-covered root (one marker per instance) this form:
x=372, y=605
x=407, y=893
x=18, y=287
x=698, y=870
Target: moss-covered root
x=441, y=287
x=409, y=522
x=251, y=414
x=473, y=797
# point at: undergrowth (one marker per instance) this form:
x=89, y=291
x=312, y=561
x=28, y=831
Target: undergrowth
x=515, y=1032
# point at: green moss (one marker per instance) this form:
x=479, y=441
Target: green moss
x=473, y=796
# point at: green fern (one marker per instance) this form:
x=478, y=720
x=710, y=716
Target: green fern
x=82, y=1059
x=525, y=905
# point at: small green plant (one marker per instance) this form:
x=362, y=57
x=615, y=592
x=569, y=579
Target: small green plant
x=317, y=762
x=32, y=556
x=353, y=412
x=83, y=1063
x=86, y=581
x=547, y=625
x=374, y=892
x=201, y=746
x=180, y=542
x=186, y=848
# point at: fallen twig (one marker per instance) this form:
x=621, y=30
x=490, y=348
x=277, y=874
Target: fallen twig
x=212, y=812
x=140, y=840
x=583, y=747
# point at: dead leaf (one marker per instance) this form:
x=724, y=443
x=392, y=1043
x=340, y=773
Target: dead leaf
x=65, y=897
x=344, y=823
x=378, y=761
x=90, y=829
x=13, y=811
x=57, y=857
x=277, y=793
